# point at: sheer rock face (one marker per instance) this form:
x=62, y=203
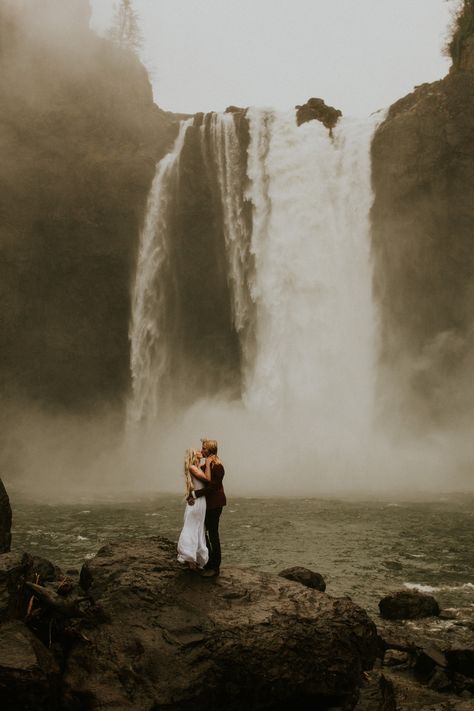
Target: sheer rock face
x=173, y=639
x=5, y=520
x=79, y=137
x=196, y=287
x=422, y=241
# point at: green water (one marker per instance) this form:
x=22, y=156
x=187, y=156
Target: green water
x=363, y=549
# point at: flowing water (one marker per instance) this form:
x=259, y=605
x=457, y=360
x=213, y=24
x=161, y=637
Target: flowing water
x=363, y=549
x=281, y=215
x=291, y=218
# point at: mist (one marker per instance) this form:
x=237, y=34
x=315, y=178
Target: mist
x=339, y=414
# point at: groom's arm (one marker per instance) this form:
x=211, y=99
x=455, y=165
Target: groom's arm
x=215, y=482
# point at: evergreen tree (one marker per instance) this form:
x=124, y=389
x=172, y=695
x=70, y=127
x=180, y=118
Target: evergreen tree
x=125, y=30
x=462, y=29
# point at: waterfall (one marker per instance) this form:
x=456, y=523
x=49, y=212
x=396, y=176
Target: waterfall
x=149, y=351
x=282, y=215
x=314, y=325
x=223, y=156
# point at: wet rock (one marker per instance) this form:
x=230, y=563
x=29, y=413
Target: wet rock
x=451, y=705
x=305, y=577
x=421, y=219
x=244, y=639
x=393, y=564
x=427, y=659
x=16, y=569
x=29, y=676
x=410, y=695
x=461, y=661
x=408, y=605
x=43, y=569
x=440, y=681
x=395, y=657
x=376, y=694
x=317, y=110
x=5, y=520
x=13, y=568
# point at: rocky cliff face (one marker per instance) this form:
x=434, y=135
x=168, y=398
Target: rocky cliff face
x=79, y=136
x=422, y=217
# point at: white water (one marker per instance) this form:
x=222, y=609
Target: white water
x=315, y=319
x=225, y=159
x=304, y=278
x=148, y=351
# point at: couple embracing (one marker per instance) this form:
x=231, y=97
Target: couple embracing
x=199, y=546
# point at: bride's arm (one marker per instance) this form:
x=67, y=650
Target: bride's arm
x=199, y=474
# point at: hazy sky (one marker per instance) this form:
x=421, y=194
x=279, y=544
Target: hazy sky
x=358, y=55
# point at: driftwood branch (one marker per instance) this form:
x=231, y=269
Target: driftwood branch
x=64, y=606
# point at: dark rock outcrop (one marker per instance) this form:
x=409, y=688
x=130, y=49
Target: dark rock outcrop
x=377, y=694
x=175, y=640
x=305, y=577
x=5, y=520
x=13, y=568
x=317, y=110
x=427, y=664
x=152, y=635
x=29, y=675
x=16, y=569
x=422, y=216
x=408, y=605
x=80, y=136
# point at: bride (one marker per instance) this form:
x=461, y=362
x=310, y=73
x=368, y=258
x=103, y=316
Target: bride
x=192, y=549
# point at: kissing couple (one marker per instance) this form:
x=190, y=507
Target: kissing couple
x=199, y=546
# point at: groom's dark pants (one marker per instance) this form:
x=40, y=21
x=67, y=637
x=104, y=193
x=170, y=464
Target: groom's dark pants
x=211, y=522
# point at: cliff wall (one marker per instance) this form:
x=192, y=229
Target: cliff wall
x=422, y=241
x=79, y=138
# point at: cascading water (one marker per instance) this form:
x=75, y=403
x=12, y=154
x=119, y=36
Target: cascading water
x=291, y=213
x=149, y=352
x=311, y=198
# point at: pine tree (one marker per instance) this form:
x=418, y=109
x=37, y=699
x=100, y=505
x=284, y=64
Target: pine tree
x=125, y=30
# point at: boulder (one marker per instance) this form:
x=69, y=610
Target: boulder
x=168, y=638
x=461, y=661
x=13, y=568
x=305, y=577
x=317, y=110
x=408, y=605
x=377, y=694
x=5, y=520
x=43, y=569
x=29, y=676
x=16, y=568
x=412, y=696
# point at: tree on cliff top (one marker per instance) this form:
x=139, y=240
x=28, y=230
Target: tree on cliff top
x=125, y=30
x=462, y=28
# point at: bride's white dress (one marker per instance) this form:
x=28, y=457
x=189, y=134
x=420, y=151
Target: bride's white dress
x=192, y=541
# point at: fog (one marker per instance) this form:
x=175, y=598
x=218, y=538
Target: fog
x=53, y=454
x=71, y=458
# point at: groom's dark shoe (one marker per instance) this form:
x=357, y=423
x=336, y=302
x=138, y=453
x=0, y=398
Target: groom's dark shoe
x=209, y=573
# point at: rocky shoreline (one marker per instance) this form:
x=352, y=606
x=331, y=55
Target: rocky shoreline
x=136, y=631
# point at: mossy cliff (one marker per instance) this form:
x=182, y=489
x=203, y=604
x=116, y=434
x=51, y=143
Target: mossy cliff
x=80, y=137
x=422, y=218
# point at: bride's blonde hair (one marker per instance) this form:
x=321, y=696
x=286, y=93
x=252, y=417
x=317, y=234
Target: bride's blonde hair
x=189, y=458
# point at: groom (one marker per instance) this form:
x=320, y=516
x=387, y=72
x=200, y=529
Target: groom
x=215, y=501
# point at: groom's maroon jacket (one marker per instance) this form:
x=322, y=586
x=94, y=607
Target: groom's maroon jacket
x=214, y=490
